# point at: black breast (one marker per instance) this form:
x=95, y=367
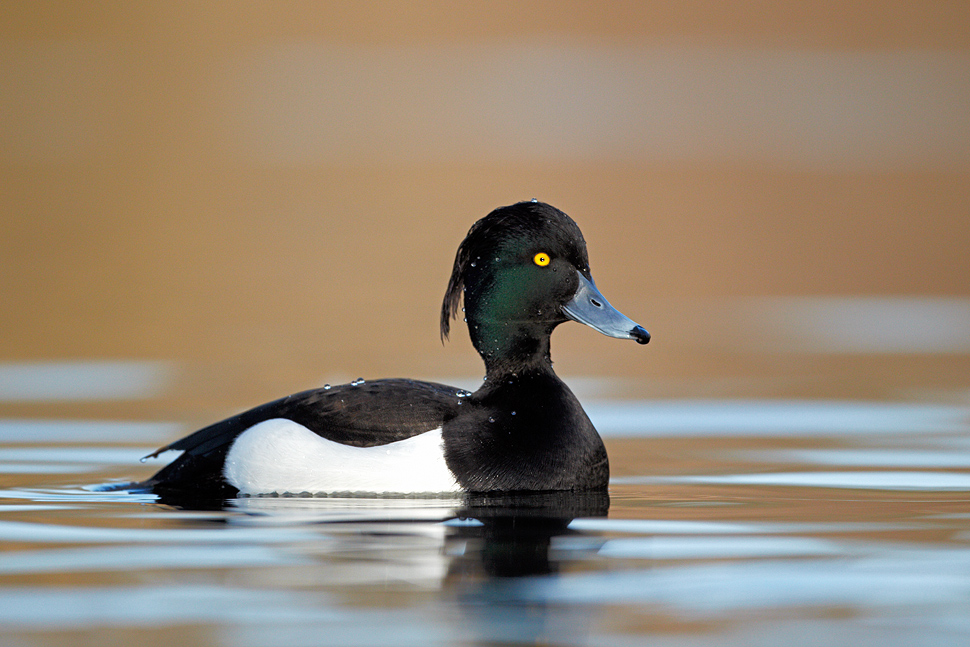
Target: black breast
x=525, y=433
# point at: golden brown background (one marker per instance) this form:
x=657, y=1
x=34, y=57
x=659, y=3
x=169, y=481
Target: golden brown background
x=269, y=194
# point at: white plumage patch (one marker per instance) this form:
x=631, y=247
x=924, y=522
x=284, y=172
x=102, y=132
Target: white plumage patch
x=281, y=456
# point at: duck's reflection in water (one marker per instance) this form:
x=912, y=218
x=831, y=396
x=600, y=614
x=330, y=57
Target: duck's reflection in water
x=511, y=535
x=490, y=556
x=517, y=546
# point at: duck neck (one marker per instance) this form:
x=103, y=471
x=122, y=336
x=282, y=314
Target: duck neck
x=509, y=349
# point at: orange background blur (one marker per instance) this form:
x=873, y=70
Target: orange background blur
x=274, y=191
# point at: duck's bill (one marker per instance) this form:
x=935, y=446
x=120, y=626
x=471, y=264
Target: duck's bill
x=590, y=307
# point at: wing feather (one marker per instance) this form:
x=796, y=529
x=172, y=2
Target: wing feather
x=362, y=415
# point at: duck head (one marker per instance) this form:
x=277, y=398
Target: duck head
x=523, y=270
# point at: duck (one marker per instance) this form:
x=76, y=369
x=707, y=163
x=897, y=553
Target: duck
x=520, y=271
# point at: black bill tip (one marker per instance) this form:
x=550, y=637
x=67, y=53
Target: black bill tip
x=640, y=335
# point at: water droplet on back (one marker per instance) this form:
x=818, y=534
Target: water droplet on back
x=357, y=382
x=327, y=387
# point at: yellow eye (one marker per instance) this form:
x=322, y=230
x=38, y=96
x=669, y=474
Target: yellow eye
x=541, y=259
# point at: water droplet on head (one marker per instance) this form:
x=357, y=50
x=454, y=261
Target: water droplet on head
x=534, y=200
x=473, y=264
x=357, y=382
x=513, y=413
x=491, y=419
x=327, y=387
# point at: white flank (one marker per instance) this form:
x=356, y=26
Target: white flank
x=281, y=456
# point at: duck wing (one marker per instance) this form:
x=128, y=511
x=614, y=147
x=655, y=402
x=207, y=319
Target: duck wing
x=364, y=414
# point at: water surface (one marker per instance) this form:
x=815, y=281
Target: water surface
x=729, y=522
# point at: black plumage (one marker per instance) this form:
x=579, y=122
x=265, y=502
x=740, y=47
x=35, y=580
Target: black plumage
x=518, y=271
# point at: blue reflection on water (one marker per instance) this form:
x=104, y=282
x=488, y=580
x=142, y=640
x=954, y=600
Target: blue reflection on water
x=697, y=418
x=80, y=381
x=93, y=431
x=893, y=577
x=874, y=480
x=857, y=324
